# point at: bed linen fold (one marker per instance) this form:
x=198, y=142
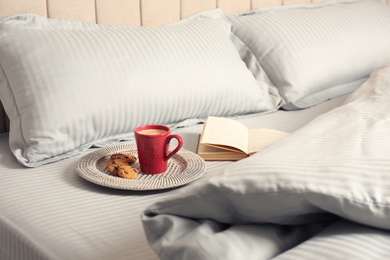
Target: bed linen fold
x=337, y=166
x=343, y=240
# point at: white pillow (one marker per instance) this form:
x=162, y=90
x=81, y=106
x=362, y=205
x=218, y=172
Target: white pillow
x=315, y=52
x=69, y=85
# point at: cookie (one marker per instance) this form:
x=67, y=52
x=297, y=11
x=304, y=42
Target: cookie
x=127, y=158
x=127, y=172
x=112, y=166
x=119, y=165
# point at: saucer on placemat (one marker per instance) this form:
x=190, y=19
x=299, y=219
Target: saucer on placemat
x=184, y=167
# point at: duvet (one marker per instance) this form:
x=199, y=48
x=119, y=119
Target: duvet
x=321, y=193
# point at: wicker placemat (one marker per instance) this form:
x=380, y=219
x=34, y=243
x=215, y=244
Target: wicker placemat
x=184, y=167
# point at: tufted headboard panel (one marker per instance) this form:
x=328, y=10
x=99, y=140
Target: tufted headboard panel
x=127, y=12
x=131, y=12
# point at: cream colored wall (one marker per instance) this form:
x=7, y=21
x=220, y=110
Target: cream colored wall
x=126, y=12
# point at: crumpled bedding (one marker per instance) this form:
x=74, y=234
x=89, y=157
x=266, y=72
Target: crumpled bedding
x=330, y=177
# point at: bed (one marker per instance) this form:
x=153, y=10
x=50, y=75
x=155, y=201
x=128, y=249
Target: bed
x=77, y=77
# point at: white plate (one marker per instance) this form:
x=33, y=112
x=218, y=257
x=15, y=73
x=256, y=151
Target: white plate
x=184, y=167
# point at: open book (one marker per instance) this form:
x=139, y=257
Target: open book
x=226, y=139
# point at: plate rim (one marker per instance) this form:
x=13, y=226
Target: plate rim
x=196, y=167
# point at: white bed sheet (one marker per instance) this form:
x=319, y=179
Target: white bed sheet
x=50, y=212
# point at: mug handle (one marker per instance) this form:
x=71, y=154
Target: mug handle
x=168, y=141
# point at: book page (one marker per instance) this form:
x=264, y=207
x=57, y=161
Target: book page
x=261, y=138
x=227, y=132
x=211, y=153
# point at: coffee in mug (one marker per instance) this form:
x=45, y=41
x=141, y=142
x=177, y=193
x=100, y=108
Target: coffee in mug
x=152, y=132
x=153, y=143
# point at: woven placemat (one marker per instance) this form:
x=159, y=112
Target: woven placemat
x=184, y=167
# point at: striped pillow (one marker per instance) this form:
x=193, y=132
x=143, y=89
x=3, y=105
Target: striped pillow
x=67, y=86
x=316, y=52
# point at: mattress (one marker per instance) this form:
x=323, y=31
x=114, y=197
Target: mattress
x=50, y=212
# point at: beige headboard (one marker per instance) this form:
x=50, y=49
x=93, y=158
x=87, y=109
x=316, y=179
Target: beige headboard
x=127, y=12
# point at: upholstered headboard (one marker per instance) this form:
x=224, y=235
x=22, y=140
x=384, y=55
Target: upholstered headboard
x=127, y=12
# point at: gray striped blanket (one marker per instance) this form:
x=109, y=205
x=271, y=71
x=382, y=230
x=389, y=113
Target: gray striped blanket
x=323, y=193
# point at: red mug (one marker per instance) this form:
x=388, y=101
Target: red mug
x=153, y=143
